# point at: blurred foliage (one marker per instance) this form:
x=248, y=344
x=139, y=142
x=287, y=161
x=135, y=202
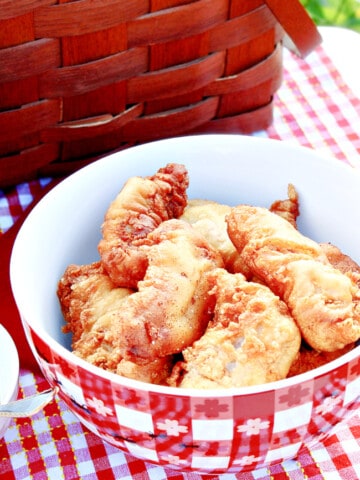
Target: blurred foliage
x=342, y=13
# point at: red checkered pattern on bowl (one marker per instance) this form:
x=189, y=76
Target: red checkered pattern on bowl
x=198, y=433
x=53, y=443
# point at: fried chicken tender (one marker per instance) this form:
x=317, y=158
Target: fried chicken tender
x=86, y=293
x=89, y=302
x=140, y=207
x=170, y=309
x=308, y=359
x=323, y=301
x=252, y=339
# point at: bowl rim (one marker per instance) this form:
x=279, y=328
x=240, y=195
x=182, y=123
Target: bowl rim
x=163, y=389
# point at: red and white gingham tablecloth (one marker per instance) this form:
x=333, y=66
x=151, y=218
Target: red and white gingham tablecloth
x=315, y=107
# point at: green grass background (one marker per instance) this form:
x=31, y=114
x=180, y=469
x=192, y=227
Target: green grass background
x=343, y=13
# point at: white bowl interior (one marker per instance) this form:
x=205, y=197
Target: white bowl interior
x=9, y=373
x=65, y=226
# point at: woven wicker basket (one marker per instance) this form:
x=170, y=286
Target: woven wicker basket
x=82, y=78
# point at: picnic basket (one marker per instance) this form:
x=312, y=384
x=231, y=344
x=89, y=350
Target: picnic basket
x=82, y=78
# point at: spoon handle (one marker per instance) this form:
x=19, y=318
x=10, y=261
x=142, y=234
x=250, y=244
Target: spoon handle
x=28, y=406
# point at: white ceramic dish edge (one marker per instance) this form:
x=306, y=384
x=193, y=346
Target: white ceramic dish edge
x=9, y=374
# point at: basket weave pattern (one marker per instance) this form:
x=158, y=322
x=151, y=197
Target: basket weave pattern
x=82, y=78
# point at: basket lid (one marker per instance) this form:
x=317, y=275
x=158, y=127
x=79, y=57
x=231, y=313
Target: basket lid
x=301, y=33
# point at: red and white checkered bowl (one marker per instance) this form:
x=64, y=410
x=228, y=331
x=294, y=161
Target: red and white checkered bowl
x=214, y=431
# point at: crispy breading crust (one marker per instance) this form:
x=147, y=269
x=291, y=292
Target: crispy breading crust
x=140, y=207
x=89, y=302
x=171, y=308
x=251, y=340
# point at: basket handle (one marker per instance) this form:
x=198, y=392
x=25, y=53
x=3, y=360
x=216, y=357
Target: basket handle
x=302, y=35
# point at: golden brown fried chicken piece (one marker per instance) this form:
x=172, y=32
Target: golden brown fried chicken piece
x=90, y=301
x=323, y=301
x=171, y=308
x=86, y=293
x=308, y=359
x=251, y=340
x=288, y=208
x=140, y=207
